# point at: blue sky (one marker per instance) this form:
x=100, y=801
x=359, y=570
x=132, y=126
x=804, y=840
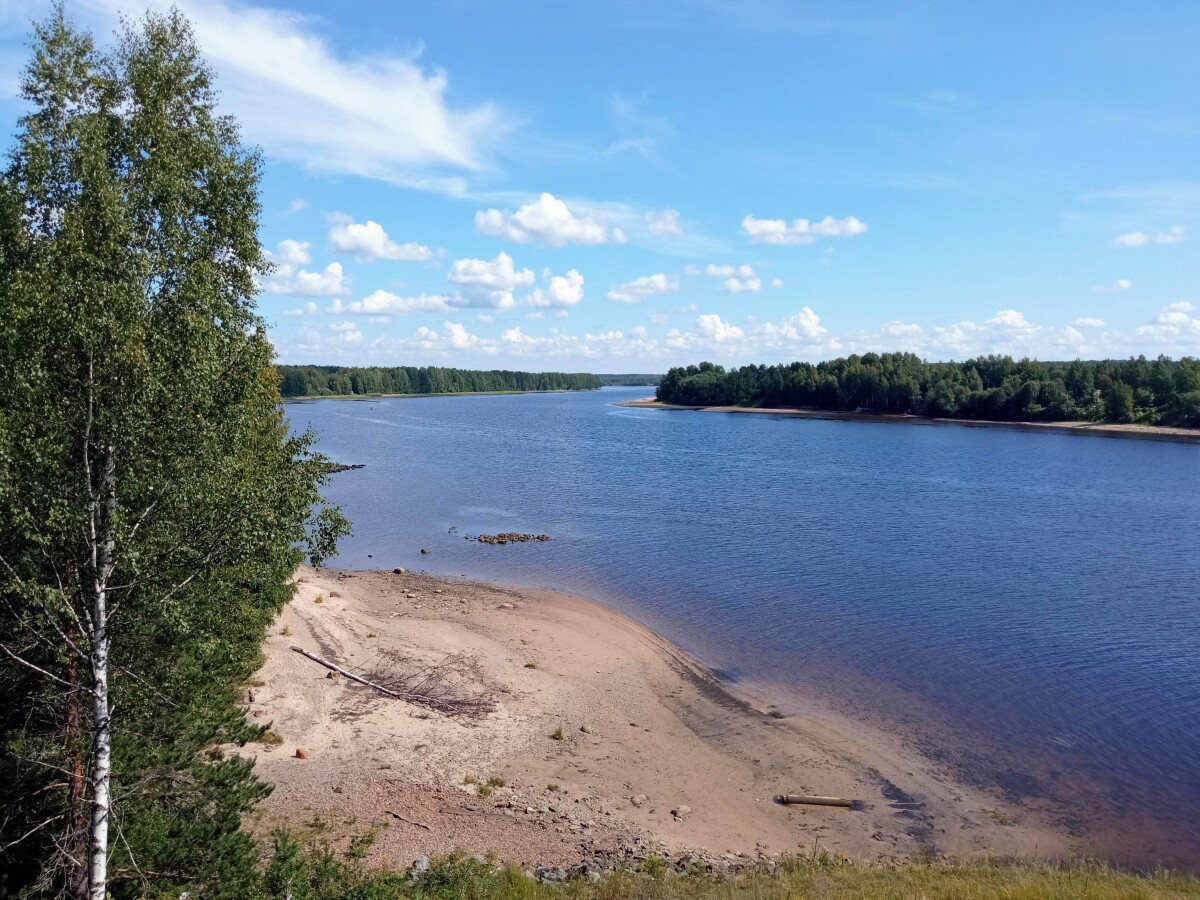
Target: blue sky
x=626, y=186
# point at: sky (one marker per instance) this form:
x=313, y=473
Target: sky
x=628, y=186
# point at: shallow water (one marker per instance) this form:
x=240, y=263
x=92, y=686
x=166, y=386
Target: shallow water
x=1025, y=607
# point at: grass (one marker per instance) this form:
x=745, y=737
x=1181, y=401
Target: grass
x=819, y=877
x=270, y=739
x=496, y=781
x=557, y=735
x=552, y=788
x=320, y=598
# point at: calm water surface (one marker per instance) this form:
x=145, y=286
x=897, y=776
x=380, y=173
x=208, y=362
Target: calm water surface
x=1025, y=607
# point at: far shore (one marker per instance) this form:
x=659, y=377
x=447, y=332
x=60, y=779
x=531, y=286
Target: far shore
x=306, y=397
x=605, y=740
x=1092, y=429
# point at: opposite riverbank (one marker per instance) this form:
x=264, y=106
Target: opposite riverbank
x=606, y=742
x=1093, y=429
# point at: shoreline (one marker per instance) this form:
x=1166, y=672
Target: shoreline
x=1084, y=429
x=645, y=731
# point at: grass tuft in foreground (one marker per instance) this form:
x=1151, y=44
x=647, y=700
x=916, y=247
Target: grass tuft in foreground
x=321, y=874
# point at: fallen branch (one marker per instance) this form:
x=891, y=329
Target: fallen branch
x=432, y=686
x=408, y=821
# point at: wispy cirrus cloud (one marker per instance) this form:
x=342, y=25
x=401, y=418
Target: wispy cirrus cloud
x=388, y=117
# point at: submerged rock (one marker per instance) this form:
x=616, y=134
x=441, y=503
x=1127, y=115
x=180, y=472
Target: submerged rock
x=511, y=537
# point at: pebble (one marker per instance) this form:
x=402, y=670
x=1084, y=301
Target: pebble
x=680, y=811
x=639, y=799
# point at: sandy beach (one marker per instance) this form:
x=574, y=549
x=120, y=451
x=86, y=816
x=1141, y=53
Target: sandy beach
x=609, y=741
x=1093, y=429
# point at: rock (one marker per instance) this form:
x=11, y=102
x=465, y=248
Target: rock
x=510, y=537
x=776, y=715
x=400, y=571
x=680, y=811
x=639, y=800
x=301, y=753
x=507, y=606
x=421, y=864
x=332, y=675
x=424, y=551
x=585, y=729
x=337, y=789
x=547, y=875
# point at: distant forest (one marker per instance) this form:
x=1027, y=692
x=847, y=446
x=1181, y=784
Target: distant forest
x=325, y=381
x=629, y=380
x=1151, y=392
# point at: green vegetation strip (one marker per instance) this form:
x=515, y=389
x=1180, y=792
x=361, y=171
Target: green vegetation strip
x=321, y=874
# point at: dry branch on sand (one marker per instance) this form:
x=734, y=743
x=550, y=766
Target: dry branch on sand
x=452, y=686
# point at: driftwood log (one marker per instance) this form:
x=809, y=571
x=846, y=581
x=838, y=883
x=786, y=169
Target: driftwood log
x=789, y=799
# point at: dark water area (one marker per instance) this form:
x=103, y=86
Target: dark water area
x=1023, y=607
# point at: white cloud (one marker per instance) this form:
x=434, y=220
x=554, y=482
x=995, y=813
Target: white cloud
x=562, y=291
x=800, y=231
x=386, y=303
x=1172, y=235
x=1089, y=322
x=294, y=253
x=712, y=270
x=367, y=242
x=291, y=280
x=1010, y=318
x=741, y=285
x=490, y=283
x=299, y=204
x=664, y=222
x=711, y=326
x=381, y=116
x=776, y=282
x=547, y=220
x=1121, y=284
x=646, y=286
x=658, y=318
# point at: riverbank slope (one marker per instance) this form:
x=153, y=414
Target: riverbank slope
x=605, y=740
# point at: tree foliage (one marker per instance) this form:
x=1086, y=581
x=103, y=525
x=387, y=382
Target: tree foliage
x=1159, y=391
x=144, y=462
x=326, y=381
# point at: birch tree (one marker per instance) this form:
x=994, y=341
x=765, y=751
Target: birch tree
x=151, y=497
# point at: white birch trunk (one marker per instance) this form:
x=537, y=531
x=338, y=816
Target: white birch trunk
x=103, y=544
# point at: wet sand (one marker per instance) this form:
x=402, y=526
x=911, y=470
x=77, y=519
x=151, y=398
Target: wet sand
x=655, y=756
x=1093, y=429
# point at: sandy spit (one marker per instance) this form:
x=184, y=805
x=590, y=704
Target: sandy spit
x=1093, y=429
x=646, y=731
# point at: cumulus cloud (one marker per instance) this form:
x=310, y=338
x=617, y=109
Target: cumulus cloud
x=1121, y=284
x=741, y=285
x=561, y=291
x=799, y=231
x=646, y=286
x=664, y=222
x=1172, y=235
x=290, y=279
x=548, y=220
x=489, y=283
x=711, y=326
x=367, y=242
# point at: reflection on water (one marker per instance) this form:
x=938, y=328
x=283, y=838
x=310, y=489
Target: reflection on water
x=1037, y=596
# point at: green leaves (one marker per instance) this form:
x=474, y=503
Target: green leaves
x=128, y=257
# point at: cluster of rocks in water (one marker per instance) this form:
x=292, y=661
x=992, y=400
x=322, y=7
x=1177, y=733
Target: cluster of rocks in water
x=508, y=537
x=341, y=467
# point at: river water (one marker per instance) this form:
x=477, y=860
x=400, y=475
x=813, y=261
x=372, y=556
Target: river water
x=1023, y=607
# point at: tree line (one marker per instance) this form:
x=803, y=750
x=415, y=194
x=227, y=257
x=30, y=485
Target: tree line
x=327, y=381
x=1136, y=390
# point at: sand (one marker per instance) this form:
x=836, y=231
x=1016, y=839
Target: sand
x=645, y=730
x=1093, y=429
